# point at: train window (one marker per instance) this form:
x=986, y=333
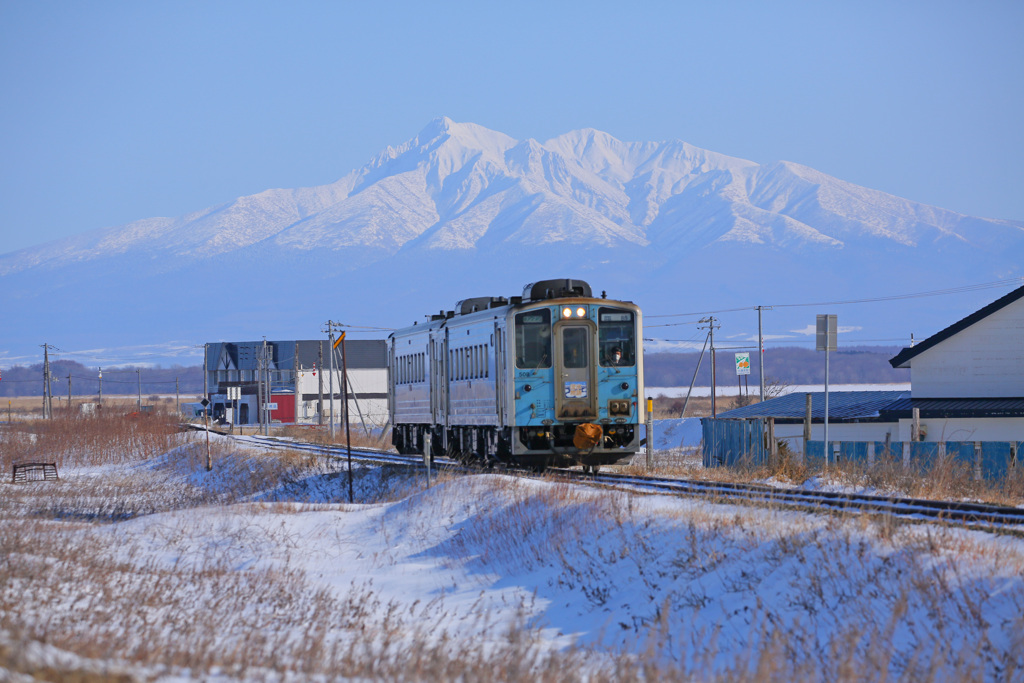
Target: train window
x=574, y=347
x=533, y=339
x=616, y=332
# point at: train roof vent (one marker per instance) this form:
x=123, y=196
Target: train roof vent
x=556, y=289
x=479, y=303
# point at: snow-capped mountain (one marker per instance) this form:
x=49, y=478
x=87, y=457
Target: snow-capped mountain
x=473, y=211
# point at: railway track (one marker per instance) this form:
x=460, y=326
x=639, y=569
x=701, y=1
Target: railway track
x=972, y=515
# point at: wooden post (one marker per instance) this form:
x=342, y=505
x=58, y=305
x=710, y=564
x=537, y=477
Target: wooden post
x=650, y=432
x=807, y=425
x=915, y=424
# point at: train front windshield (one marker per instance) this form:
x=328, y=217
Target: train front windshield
x=533, y=339
x=616, y=332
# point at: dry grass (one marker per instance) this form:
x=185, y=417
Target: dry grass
x=852, y=587
x=321, y=434
x=670, y=408
x=946, y=479
x=94, y=440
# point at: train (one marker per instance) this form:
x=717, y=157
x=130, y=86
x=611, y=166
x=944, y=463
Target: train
x=551, y=378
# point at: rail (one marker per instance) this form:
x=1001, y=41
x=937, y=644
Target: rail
x=980, y=516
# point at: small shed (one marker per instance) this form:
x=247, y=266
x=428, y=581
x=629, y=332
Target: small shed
x=853, y=416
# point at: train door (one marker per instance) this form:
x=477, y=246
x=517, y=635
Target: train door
x=438, y=381
x=576, y=382
x=499, y=373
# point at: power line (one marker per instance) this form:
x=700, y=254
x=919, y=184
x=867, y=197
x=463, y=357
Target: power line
x=895, y=297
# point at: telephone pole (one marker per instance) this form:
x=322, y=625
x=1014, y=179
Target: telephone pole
x=330, y=339
x=101, y=388
x=760, y=347
x=47, y=396
x=138, y=372
x=710, y=320
x=344, y=394
x=320, y=384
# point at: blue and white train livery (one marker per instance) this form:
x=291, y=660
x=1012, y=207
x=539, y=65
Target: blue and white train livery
x=552, y=377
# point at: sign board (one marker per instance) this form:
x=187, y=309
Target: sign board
x=270, y=406
x=742, y=363
x=826, y=333
x=205, y=402
x=234, y=393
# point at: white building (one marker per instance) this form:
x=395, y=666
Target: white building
x=967, y=382
x=305, y=382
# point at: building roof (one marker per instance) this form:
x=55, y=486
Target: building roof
x=359, y=353
x=954, y=407
x=903, y=358
x=245, y=355
x=853, y=406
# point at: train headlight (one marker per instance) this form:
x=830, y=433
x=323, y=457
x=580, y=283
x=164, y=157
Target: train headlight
x=581, y=312
x=566, y=312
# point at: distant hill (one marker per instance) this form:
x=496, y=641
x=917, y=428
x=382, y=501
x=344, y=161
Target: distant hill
x=28, y=380
x=788, y=365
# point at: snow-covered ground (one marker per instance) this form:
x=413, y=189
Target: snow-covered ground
x=261, y=570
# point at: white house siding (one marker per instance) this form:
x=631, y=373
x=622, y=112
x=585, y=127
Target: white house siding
x=371, y=410
x=793, y=434
x=965, y=429
x=986, y=360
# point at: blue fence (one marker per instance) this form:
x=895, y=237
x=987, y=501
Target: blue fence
x=731, y=442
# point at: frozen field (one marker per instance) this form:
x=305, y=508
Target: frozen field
x=154, y=569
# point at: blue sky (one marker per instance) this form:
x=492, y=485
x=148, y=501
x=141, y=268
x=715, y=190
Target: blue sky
x=116, y=111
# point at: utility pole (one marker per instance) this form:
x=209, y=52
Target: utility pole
x=101, y=388
x=138, y=371
x=710, y=320
x=47, y=396
x=826, y=341
x=177, y=399
x=344, y=392
x=320, y=384
x=69, y=393
x=760, y=346
x=330, y=339
x=694, y=378
x=267, y=370
x=296, y=367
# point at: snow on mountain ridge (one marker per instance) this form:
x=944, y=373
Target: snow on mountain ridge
x=460, y=186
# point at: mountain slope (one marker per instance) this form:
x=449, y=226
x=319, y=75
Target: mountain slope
x=464, y=208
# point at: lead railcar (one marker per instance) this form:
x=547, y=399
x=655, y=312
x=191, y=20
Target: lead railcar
x=552, y=377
